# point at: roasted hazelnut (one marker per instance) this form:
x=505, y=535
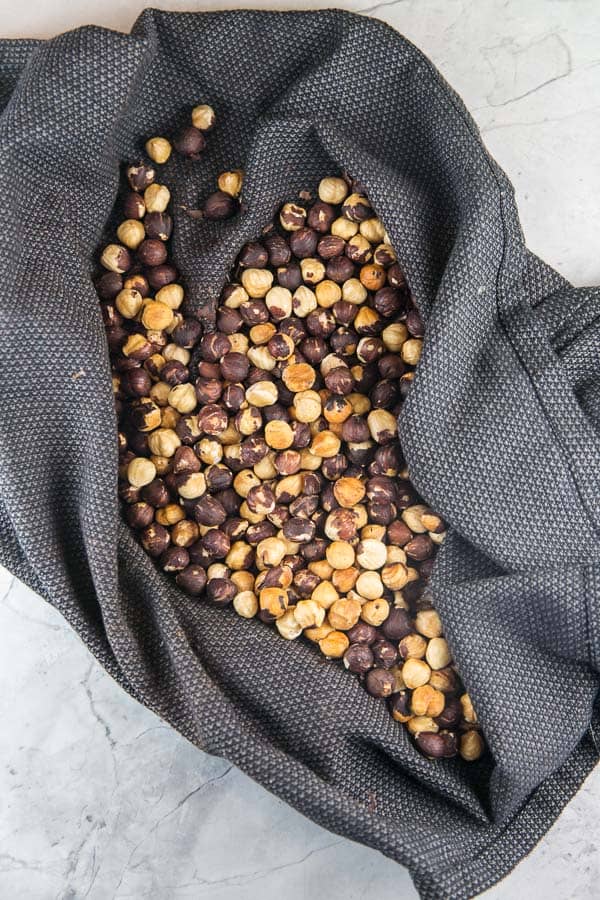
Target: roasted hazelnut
x=415, y=672
x=203, y=117
x=140, y=514
x=220, y=591
x=452, y=712
x=140, y=176
x=332, y=190
x=380, y=682
x=192, y=580
x=219, y=206
x=156, y=198
x=341, y=270
x=116, y=258
x=190, y=142
x=330, y=246
x=292, y=217
x=385, y=654
x=358, y=658
x=436, y=746
x=356, y=208
x=471, y=745
x=158, y=225
x=245, y=604
x=334, y=644
x=158, y=149
x=160, y=276
x=375, y=612
x=155, y=539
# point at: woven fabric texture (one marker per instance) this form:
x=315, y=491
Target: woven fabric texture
x=501, y=429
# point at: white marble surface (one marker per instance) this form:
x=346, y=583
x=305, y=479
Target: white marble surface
x=100, y=800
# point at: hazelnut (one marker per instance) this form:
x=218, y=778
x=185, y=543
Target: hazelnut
x=203, y=117
x=192, y=580
x=298, y=377
x=469, y=714
x=279, y=302
x=245, y=604
x=230, y=182
x=292, y=217
x=140, y=471
x=158, y=149
x=344, y=613
x=348, y=492
x=340, y=554
x=371, y=554
x=375, y=612
x=373, y=230
x=332, y=190
x=358, y=658
x=309, y=614
x=190, y=142
x=411, y=351
x=415, y=673
x=427, y=701
x=380, y=682
x=140, y=176
x=262, y=393
x=419, y=724
x=334, y=644
x=116, y=258
x=274, y=600
x=356, y=208
x=287, y=626
x=219, y=206
x=471, y=745
x=369, y=585
x=313, y=272
x=131, y=233
x=412, y=646
x=325, y=594
x=156, y=198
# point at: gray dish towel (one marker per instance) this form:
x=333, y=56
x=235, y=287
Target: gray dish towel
x=501, y=429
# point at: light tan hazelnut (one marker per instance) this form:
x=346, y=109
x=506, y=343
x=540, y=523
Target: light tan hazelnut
x=308, y=462
x=321, y=568
x=173, y=351
x=349, y=491
x=354, y=292
x=313, y=270
x=411, y=351
x=427, y=701
x=240, y=556
x=309, y=614
x=471, y=745
x=428, y=623
x=399, y=685
x=244, y=481
x=131, y=233
x=209, y=451
x=334, y=645
x=163, y=442
x=274, y=600
x=318, y=633
x=332, y=190
x=340, y=555
x=415, y=673
x=159, y=393
x=264, y=469
x=369, y=585
x=140, y=471
x=279, y=435
x=257, y=282
x=394, y=555
x=170, y=514
x=217, y=570
x=469, y=714
x=279, y=302
x=344, y=580
x=172, y=296
x=246, y=604
x=236, y=298
x=344, y=228
x=327, y=293
x=169, y=417
x=158, y=149
x=183, y=398
x=193, y=486
x=373, y=532
x=394, y=575
x=438, y=653
x=270, y=551
x=412, y=646
x=184, y=533
x=244, y=581
x=360, y=404
x=307, y=406
x=129, y=302
x=394, y=336
x=157, y=197
x=289, y=487
x=375, y=612
x=231, y=182
x=422, y=723
x=373, y=230
x=203, y=118
x=161, y=464
x=292, y=216
x=287, y=626
x=156, y=315
x=261, y=358
x=344, y=613
x=325, y=594
x=304, y=301
x=382, y=425
x=262, y=393
x=412, y=517
x=359, y=249
x=371, y=554
x=325, y=444
x=298, y=377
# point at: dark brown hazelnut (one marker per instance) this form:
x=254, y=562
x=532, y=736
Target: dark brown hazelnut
x=152, y=252
x=330, y=245
x=362, y=633
x=234, y=366
x=278, y=250
x=190, y=142
x=314, y=550
x=355, y=430
x=253, y=256
x=174, y=372
x=289, y=276
x=174, y=559
x=380, y=682
x=192, y=580
x=320, y=322
x=155, y=539
x=140, y=514
x=233, y=397
x=389, y=302
x=136, y=382
x=294, y=328
x=214, y=346
x=185, y=461
x=440, y=745
x=356, y=208
x=333, y=467
x=260, y=532
x=212, y=419
x=140, y=175
x=220, y=591
x=451, y=715
x=358, y=658
x=229, y=321
x=369, y=349
x=134, y=206
x=254, y=312
x=235, y=528
x=305, y=582
x=208, y=390
x=415, y=324
x=108, y=285
x=218, y=477
x=388, y=461
x=209, y=511
x=340, y=269
x=208, y=369
x=384, y=395
x=303, y=242
x=158, y=225
x=280, y=346
x=159, y=276
x=400, y=706
x=420, y=547
x=299, y=530
x=320, y=216
x=391, y=366
x=395, y=276
x=187, y=430
x=339, y=380
x=288, y=462
x=385, y=653
x=381, y=513
x=156, y=493
x=261, y=499
x=229, y=500
x=216, y=543
x=219, y=206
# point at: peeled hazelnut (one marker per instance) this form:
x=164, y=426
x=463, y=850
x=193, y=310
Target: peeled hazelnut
x=438, y=653
x=158, y=149
x=298, y=377
x=156, y=198
x=369, y=585
x=427, y=701
x=471, y=745
x=334, y=645
x=375, y=612
x=411, y=351
x=140, y=471
x=307, y=406
x=415, y=673
x=332, y=190
x=292, y=217
x=344, y=613
x=412, y=646
x=428, y=623
x=274, y=600
x=245, y=604
x=371, y=554
x=116, y=258
x=325, y=594
x=203, y=117
x=287, y=626
x=309, y=614
x=419, y=724
x=230, y=182
x=469, y=714
x=340, y=555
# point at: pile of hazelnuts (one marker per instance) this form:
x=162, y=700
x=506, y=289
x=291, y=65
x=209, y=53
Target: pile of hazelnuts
x=259, y=458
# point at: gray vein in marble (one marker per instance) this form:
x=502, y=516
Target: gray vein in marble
x=370, y=9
